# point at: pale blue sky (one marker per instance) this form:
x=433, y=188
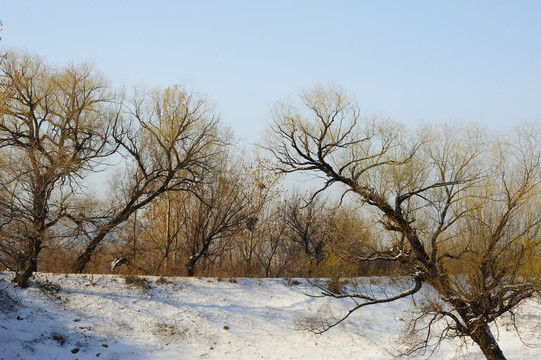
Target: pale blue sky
x=415, y=61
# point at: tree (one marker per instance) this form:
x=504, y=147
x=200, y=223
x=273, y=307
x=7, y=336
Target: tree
x=55, y=128
x=307, y=224
x=273, y=252
x=262, y=187
x=220, y=210
x=456, y=204
x=168, y=139
x=162, y=223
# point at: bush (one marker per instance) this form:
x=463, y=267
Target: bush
x=336, y=285
x=138, y=282
x=162, y=280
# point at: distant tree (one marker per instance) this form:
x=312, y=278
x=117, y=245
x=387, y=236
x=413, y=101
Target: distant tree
x=273, y=252
x=56, y=127
x=263, y=189
x=460, y=208
x=307, y=225
x=219, y=210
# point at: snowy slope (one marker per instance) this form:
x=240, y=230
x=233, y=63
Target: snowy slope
x=100, y=316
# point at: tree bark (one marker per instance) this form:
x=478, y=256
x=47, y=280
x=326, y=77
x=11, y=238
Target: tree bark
x=21, y=279
x=190, y=263
x=488, y=344
x=35, y=241
x=190, y=268
x=84, y=258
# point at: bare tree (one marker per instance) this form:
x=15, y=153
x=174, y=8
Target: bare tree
x=55, y=126
x=220, y=210
x=456, y=205
x=168, y=140
x=307, y=224
x=273, y=252
x=262, y=187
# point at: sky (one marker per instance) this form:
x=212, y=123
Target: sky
x=413, y=61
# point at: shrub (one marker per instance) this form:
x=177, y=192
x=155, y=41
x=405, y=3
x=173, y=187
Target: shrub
x=138, y=282
x=336, y=285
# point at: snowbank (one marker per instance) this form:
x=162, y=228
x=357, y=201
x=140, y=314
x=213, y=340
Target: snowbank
x=101, y=316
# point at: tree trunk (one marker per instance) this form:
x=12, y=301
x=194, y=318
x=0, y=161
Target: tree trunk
x=167, y=234
x=21, y=279
x=190, y=267
x=190, y=263
x=84, y=258
x=35, y=240
x=29, y=263
x=486, y=341
x=30, y=256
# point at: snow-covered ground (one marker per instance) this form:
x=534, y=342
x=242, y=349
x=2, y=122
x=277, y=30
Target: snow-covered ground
x=102, y=317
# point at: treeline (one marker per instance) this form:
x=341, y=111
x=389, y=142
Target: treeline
x=180, y=202
x=229, y=233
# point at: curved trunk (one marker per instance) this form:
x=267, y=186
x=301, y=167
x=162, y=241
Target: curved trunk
x=21, y=279
x=190, y=267
x=84, y=258
x=488, y=344
x=34, y=241
x=190, y=263
x=30, y=263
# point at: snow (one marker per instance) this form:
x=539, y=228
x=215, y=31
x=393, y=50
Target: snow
x=103, y=317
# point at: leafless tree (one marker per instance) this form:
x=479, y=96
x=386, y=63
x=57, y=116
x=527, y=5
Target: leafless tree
x=273, y=252
x=459, y=207
x=263, y=189
x=307, y=224
x=55, y=128
x=168, y=140
x=220, y=210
